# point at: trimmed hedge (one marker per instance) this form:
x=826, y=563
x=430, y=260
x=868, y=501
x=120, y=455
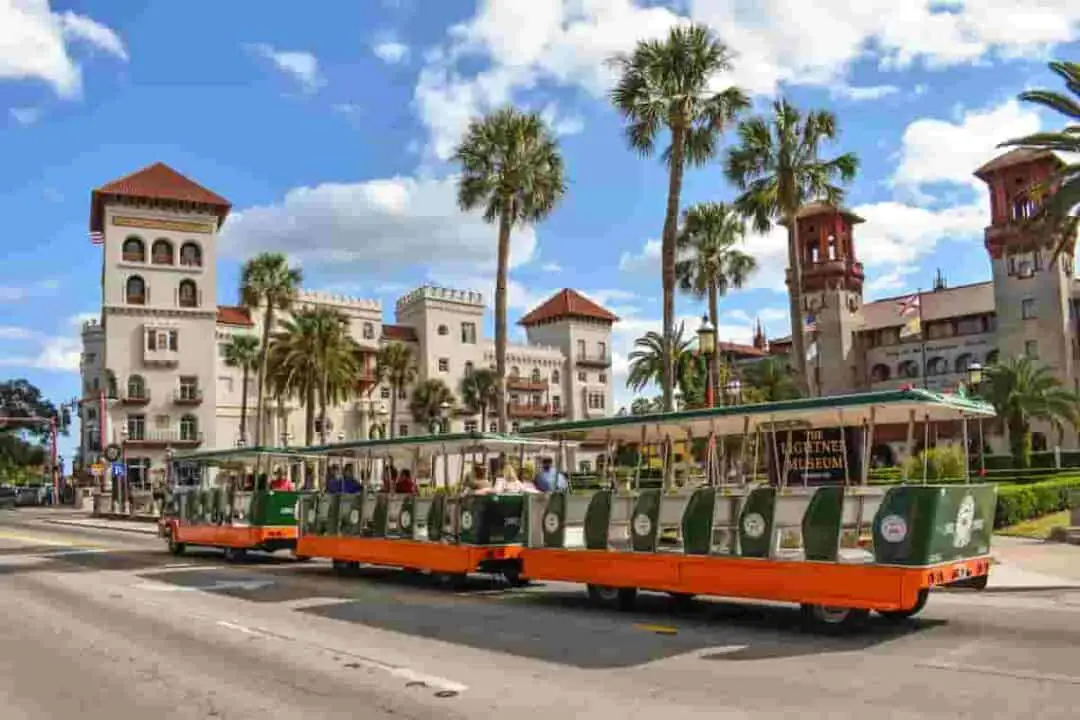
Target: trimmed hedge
x=1017, y=503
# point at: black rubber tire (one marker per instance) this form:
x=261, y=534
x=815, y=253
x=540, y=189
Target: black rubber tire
x=235, y=555
x=513, y=576
x=835, y=620
x=454, y=581
x=681, y=601
x=341, y=567
x=612, y=597
x=920, y=603
x=176, y=548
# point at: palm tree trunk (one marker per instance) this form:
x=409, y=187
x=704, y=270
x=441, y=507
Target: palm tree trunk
x=309, y=414
x=268, y=321
x=667, y=260
x=483, y=418
x=795, y=298
x=393, y=410
x=714, y=357
x=500, y=313
x=243, y=404
x=323, y=390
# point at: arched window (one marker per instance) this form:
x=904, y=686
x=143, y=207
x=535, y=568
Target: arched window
x=908, y=369
x=514, y=372
x=468, y=369
x=188, y=294
x=136, y=387
x=536, y=375
x=963, y=363
x=133, y=250
x=369, y=331
x=880, y=373
x=992, y=357
x=161, y=252
x=554, y=376
x=191, y=254
x=189, y=428
x=937, y=366
x=135, y=291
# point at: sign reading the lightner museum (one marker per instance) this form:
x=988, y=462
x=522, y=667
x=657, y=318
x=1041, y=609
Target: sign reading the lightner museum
x=815, y=457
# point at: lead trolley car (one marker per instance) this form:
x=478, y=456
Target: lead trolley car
x=781, y=509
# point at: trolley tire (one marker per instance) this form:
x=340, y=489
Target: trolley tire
x=920, y=603
x=835, y=619
x=681, y=600
x=176, y=548
x=454, y=581
x=612, y=597
x=513, y=576
x=341, y=567
x=233, y=554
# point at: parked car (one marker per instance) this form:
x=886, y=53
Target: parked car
x=29, y=495
x=7, y=496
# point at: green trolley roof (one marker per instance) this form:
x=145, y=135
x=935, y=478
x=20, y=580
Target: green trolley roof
x=217, y=457
x=887, y=407
x=439, y=443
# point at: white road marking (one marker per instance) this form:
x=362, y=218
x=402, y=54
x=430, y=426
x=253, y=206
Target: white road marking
x=159, y=586
x=310, y=602
x=1000, y=672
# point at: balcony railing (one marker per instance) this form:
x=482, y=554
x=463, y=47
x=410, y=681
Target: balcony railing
x=188, y=396
x=139, y=398
x=594, y=359
x=162, y=438
x=526, y=384
x=532, y=411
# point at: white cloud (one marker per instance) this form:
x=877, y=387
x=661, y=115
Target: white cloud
x=374, y=228
x=38, y=289
x=869, y=92
x=14, y=332
x=391, y=52
x=646, y=258
x=559, y=123
x=303, y=67
x=34, y=44
x=889, y=282
x=25, y=115
x=551, y=267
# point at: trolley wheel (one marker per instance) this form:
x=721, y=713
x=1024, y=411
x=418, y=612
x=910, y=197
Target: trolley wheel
x=513, y=576
x=455, y=581
x=835, y=619
x=682, y=601
x=341, y=567
x=920, y=603
x=176, y=548
x=233, y=554
x=612, y=597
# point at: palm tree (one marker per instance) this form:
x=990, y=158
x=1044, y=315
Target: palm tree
x=1057, y=213
x=242, y=351
x=338, y=359
x=1021, y=392
x=267, y=282
x=479, y=391
x=510, y=167
x=645, y=406
x=769, y=380
x=647, y=362
x=428, y=401
x=667, y=83
x=293, y=365
x=395, y=365
x=711, y=263
x=777, y=167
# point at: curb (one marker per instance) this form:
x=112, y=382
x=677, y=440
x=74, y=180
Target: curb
x=1008, y=589
x=113, y=528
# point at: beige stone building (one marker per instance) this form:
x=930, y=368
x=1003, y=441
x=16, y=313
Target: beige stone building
x=1028, y=307
x=155, y=381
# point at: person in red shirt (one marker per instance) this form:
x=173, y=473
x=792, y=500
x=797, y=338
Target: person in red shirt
x=405, y=484
x=281, y=481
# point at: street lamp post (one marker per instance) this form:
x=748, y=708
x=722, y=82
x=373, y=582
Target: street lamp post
x=121, y=486
x=975, y=379
x=734, y=391
x=678, y=399
x=706, y=348
x=438, y=424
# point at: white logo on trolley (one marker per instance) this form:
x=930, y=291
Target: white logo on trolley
x=551, y=523
x=354, y=517
x=965, y=522
x=642, y=524
x=405, y=519
x=893, y=528
x=466, y=520
x=754, y=525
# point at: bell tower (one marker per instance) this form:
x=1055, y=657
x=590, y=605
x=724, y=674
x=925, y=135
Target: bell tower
x=1031, y=292
x=832, y=284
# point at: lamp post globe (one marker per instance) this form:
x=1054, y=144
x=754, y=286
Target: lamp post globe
x=975, y=375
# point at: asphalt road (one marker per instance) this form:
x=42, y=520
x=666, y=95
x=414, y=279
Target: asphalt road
x=101, y=624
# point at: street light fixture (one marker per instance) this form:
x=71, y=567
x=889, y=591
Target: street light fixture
x=285, y=437
x=734, y=390
x=706, y=336
x=678, y=399
x=975, y=379
x=341, y=436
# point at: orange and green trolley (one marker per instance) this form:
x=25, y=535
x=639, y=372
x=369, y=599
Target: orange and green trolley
x=223, y=499
x=444, y=528
x=774, y=504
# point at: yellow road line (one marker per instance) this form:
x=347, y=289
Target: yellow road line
x=658, y=629
x=39, y=540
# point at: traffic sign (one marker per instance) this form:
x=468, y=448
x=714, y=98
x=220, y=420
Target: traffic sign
x=97, y=469
x=113, y=452
x=119, y=470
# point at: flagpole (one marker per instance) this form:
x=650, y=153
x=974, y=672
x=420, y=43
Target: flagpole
x=922, y=339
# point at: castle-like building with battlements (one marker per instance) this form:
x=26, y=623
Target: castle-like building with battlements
x=154, y=379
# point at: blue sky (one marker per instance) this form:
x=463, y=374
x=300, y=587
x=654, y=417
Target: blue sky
x=329, y=130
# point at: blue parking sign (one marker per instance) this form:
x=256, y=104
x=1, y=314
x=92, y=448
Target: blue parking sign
x=119, y=470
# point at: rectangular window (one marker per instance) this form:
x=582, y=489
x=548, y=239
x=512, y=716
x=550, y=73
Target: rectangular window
x=969, y=325
x=493, y=427
x=403, y=430
x=581, y=348
x=402, y=394
x=602, y=348
x=226, y=384
x=468, y=333
x=596, y=401
x=1031, y=349
x=136, y=427
x=189, y=387
x=602, y=378
x=444, y=365
x=582, y=377
x=470, y=426
x=174, y=340
x=384, y=393
x=1027, y=309
x=556, y=402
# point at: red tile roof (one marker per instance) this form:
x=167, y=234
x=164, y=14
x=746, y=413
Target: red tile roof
x=155, y=182
x=401, y=333
x=567, y=303
x=739, y=349
x=234, y=315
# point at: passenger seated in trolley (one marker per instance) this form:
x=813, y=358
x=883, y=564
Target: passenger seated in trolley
x=549, y=479
x=281, y=481
x=476, y=482
x=349, y=483
x=405, y=485
x=334, y=480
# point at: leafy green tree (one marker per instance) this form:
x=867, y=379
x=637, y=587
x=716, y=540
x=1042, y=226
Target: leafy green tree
x=667, y=84
x=242, y=352
x=647, y=360
x=1057, y=215
x=395, y=366
x=769, y=380
x=428, y=398
x=479, y=392
x=711, y=262
x=267, y=282
x=510, y=167
x=293, y=366
x=778, y=169
x=1021, y=392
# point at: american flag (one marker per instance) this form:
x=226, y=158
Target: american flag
x=97, y=238
x=909, y=305
x=811, y=323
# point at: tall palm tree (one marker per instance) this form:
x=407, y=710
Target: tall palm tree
x=769, y=380
x=667, y=84
x=395, y=366
x=1062, y=189
x=510, y=167
x=712, y=264
x=1022, y=391
x=338, y=359
x=267, y=282
x=479, y=391
x=242, y=352
x=427, y=402
x=778, y=168
x=647, y=363
x=293, y=365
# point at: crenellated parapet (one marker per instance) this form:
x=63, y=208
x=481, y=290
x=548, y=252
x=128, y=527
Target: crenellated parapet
x=441, y=294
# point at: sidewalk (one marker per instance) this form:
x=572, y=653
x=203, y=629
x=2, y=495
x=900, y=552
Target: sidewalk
x=1027, y=564
x=143, y=525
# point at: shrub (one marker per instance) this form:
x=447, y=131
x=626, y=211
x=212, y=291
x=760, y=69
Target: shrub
x=941, y=463
x=1017, y=503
